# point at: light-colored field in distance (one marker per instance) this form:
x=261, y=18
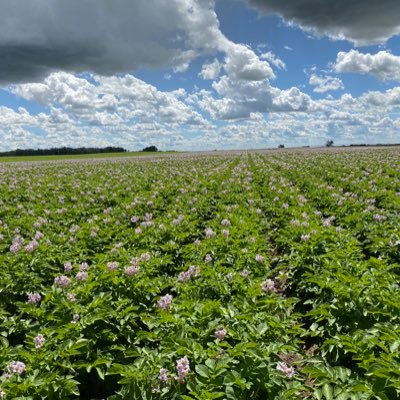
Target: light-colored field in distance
x=76, y=156
x=194, y=153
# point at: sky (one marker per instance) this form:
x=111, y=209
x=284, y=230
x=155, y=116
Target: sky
x=199, y=74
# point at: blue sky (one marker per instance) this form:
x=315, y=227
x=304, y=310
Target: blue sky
x=199, y=74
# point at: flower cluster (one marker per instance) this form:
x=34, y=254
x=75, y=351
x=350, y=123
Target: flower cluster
x=81, y=276
x=163, y=375
x=259, y=258
x=283, y=367
x=245, y=273
x=134, y=219
x=16, y=244
x=16, y=368
x=132, y=270
x=71, y=297
x=39, y=341
x=67, y=267
x=220, y=333
x=182, y=368
x=31, y=246
x=34, y=298
x=145, y=257
x=269, y=286
x=62, y=281
x=192, y=272
x=83, y=266
x=113, y=265
x=209, y=233
x=165, y=302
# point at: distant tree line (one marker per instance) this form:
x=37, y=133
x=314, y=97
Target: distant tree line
x=62, y=151
x=151, y=149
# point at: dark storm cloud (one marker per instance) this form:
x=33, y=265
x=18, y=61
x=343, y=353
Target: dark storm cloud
x=106, y=37
x=360, y=21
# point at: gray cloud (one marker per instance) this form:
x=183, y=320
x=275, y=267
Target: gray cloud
x=40, y=36
x=360, y=21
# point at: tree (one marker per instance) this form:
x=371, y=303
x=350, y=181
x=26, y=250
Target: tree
x=329, y=143
x=150, y=149
x=281, y=146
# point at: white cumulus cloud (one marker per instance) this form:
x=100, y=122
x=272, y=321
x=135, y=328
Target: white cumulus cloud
x=382, y=65
x=210, y=70
x=273, y=59
x=325, y=83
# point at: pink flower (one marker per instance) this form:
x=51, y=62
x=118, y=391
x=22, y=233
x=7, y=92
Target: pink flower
x=34, y=298
x=327, y=222
x=83, y=267
x=259, y=258
x=39, y=341
x=209, y=233
x=208, y=258
x=38, y=235
x=379, y=217
x=67, y=267
x=269, y=286
x=220, y=333
x=131, y=270
x=182, y=368
x=71, y=297
x=112, y=266
x=17, y=244
x=145, y=256
x=225, y=222
x=288, y=371
x=163, y=375
x=165, y=302
x=244, y=273
x=62, y=281
x=16, y=367
x=192, y=272
x=81, y=276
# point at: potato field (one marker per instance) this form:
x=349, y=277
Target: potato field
x=240, y=275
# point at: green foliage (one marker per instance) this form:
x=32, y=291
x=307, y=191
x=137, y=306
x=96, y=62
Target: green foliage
x=283, y=271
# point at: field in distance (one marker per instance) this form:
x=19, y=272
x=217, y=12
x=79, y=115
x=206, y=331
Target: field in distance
x=79, y=156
